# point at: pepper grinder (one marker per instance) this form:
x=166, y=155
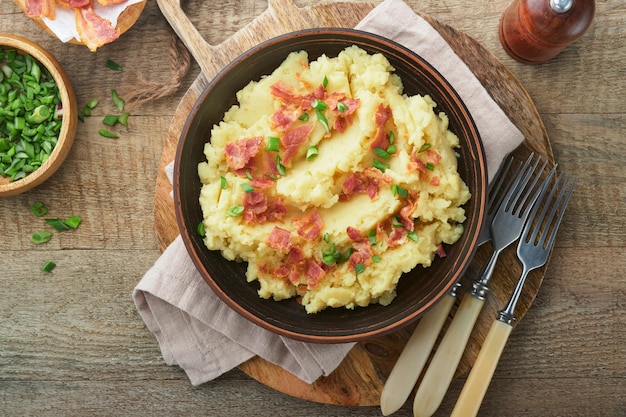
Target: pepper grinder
x=535, y=31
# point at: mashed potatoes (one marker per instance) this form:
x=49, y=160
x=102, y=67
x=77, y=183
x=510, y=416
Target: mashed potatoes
x=330, y=182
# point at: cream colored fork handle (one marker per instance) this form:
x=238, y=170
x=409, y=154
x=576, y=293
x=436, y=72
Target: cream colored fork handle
x=479, y=378
x=409, y=366
x=439, y=374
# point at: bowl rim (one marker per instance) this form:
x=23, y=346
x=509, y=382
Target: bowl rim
x=185, y=230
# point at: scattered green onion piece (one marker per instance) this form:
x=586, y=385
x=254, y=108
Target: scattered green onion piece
x=280, y=167
x=58, y=224
x=382, y=153
x=395, y=222
x=201, y=229
x=48, y=266
x=234, y=211
x=92, y=103
x=392, y=137
x=326, y=237
x=39, y=209
x=223, y=183
x=273, y=144
x=380, y=165
x=40, y=237
x=341, y=107
x=412, y=235
x=110, y=64
x=248, y=175
x=110, y=120
x=73, y=222
x=304, y=117
x=247, y=187
x=325, y=82
x=358, y=268
x=371, y=236
x=430, y=166
x=118, y=102
x=123, y=119
x=311, y=153
x=107, y=134
x=424, y=147
x=392, y=149
x=319, y=105
x=376, y=259
x=401, y=191
x=322, y=119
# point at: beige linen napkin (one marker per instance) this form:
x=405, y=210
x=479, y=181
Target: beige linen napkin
x=198, y=332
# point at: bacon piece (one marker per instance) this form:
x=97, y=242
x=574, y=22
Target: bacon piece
x=294, y=139
x=240, y=152
x=367, y=182
x=354, y=234
x=261, y=183
x=406, y=216
x=40, y=8
x=382, y=116
x=94, y=30
x=434, y=180
x=72, y=4
x=284, y=92
x=279, y=239
x=416, y=164
x=309, y=225
x=432, y=156
x=441, y=252
x=314, y=273
x=397, y=236
x=343, y=118
x=306, y=101
x=258, y=209
x=284, y=117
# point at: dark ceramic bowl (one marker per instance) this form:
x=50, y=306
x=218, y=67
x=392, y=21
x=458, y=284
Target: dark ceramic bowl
x=418, y=290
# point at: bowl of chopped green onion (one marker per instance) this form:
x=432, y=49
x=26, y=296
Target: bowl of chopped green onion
x=38, y=115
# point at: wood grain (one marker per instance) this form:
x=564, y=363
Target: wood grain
x=72, y=343
x=360, y=378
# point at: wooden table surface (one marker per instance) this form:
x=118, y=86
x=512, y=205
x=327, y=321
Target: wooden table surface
x=72, y=343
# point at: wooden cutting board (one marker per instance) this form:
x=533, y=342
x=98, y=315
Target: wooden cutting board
x=361, y=376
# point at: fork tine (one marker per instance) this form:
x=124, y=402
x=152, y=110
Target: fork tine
x=531, y=194
x=546, y=223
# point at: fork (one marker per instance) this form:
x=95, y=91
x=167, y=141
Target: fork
x=506, y=228
x=533, y=250
x=411, y=361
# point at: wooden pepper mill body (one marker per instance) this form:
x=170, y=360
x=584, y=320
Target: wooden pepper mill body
x=535, y=31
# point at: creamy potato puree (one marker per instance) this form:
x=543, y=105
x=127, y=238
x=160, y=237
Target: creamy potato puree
x=330, y=182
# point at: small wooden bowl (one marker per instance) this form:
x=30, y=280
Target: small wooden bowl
x=126, y=20
x=70, y=117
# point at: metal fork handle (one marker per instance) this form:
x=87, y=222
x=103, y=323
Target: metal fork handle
x=478, y=381
x=440, y=372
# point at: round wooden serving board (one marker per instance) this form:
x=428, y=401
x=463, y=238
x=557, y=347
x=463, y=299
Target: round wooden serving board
x=361, y=376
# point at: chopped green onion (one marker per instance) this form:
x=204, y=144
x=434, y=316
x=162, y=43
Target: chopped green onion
x=380, y=165
x=319, y=105
x=201, y=229
x=391, y=149
x=397, y=190
x=248, y=175
x=223, y=183
x=40, y=237
x=358, y=268
x=48, y=266
x=322, y=119
x=396, y=222
x=424, y=147
x=247, y=187
x=58, y=224
x=325, y=82
x=311, y=153
x=326, y=237
x=113, y=65
x=280, y=167
x=92, y=103
x=110, y=120
x=371, y=236
x=392, y=137
x=430, y=166
x=73, y=222
x=117, y=100
x=234, y=211
x=123, y=119
x=412, y=235
x=273, y=144
x=304, y=117
x=341, y=107
x=39, y=209
x=376, y=259
x=382, y=153
x=107, y=134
